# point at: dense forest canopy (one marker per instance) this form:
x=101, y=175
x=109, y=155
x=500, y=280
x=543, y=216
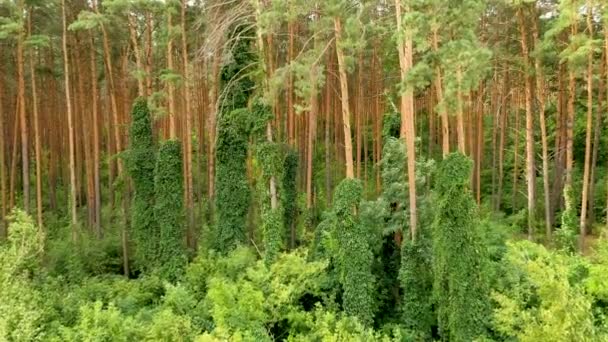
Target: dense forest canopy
x=290, y=170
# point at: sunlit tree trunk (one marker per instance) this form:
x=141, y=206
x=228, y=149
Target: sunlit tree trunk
x=406, y=56
x=23, y=122
x=96, y=142
x=188, y=193
x=37, y=143
x=3, y=133
x=540, y=93
x=589, y=130
x=70, y=115
x=530, y=167
x=348, y=146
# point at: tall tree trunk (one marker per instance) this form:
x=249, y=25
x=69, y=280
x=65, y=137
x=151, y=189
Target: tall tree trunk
x=71, y=142
x=540, y=93
x=406, y=56
x=530, y=167
x=516, y=153
x=23, y=122
x=188, y=193
x=37, y=143
x=348, y=146
x=438, y=83
x=170, y=85
x=96, y=167
x=3, y=133
x=460, y=113
x=132, y=24
x=589, y=130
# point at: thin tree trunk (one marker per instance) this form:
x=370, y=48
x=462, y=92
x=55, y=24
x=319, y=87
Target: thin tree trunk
x=438, y=83
x=460, y=114
x=189, y=196
x=516, y=154
x=406, y=55
x=348, y=147
x=170, y=86
x=71, y=142
x=540, y=93
x=3, y=199
x=96, y=168
x=23, y=122
x=37, y=146
x=530, y=167
x=132, y=24
x=587, y=166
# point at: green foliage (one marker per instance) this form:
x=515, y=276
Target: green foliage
x=21, y=305
x=460, y=284
x=566, y=236
x=169, y=208
x=289, y=190
x=417, y=282
x=540, y=301
x=141, y=161
x=233, y=193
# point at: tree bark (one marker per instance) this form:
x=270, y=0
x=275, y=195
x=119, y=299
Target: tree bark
x=23, y=122
x=588, y=135
x=406, y=56
x=540, y=93
x=37, y=143
x=530, y=167
x=70, y=115
x=348, y=147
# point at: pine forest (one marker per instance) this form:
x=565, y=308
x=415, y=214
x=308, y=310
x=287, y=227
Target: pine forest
x=304, y=170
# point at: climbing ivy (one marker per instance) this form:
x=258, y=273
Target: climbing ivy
x=233, y=129
x=270, y=157
x=460, y=288
x=354, y=257
x=233, y=193
x=140, y=163
x=290, y=191
x=169, y=208
x=567, y=235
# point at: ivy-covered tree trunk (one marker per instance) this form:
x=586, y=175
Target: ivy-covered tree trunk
x=169, y=208
x=354, y=257
x=141, y=163
x=459, y=279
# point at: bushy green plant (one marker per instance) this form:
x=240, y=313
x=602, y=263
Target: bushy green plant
x=540, y=302
x=141, y=159
x=169, y=209
x=460, y=284
x=22, y=316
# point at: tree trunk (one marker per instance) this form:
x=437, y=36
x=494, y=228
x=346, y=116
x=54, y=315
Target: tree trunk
x=71, y=142
x=23, y=122
x=3, y=200
x=348, y=147
x=96, y=167
x=188, y=193
x=170, y=85
x=132, y=24
x=589, y=130
x=37, y=146
x=530, y=167
x=406, y=56
x=460, y=114
x=540, y=93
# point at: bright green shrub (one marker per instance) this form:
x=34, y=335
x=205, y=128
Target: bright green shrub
x=460, y=284
x=99, y=323
x=539, y=302
x=141, y=161
x=22, y=314
x=169, y=208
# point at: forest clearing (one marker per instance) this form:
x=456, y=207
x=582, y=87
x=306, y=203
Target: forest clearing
x=303, y=170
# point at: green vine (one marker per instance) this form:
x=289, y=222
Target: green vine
x=169, y=209
x=460, y=285
x=141, y=161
